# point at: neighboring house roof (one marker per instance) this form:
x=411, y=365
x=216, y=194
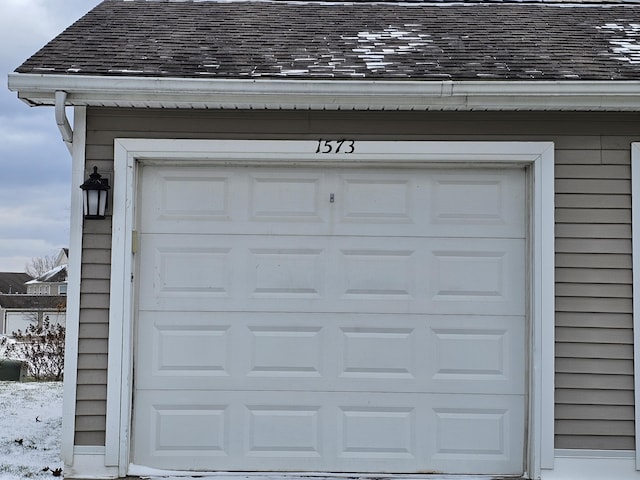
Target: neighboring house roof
x=355, y=40
x=11, y=282
x=33, y=302
x=55, y=275
x=62, y=258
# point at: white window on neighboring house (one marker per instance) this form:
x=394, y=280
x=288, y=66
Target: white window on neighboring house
x=62, y=289
x=43, y=289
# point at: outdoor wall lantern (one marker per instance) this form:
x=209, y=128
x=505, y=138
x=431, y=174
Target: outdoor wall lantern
x=95, y=193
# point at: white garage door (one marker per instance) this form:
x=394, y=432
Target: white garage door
x=339, y=320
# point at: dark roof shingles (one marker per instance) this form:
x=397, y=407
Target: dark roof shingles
x=11, y=282
x=245, y=39
x=36, y=302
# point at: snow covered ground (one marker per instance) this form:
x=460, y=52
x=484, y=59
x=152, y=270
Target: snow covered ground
x=30, y=427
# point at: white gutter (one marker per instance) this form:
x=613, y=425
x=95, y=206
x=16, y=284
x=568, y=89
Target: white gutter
x=61, y=118
x=263, y=93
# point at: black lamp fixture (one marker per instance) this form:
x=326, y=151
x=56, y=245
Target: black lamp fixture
x=95, y=193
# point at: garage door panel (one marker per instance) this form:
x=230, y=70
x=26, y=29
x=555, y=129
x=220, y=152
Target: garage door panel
x=283, y=271
x=389, y=274
x=331, y=352
x=192, y=270
x=467, y=273
x=345, y=319
x=376, y=198
x=286, y=198
x=478, y=198
x=469, y=435
x=279, y=351
x=360, y=432
x=477, y=354
x=287, y=430
x=208, y=199
x=174, y=430
x=182, y=349
x=370, y=354
x=378, y=274
x=470, y=203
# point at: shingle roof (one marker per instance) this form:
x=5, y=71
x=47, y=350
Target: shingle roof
x=11, y=282
x=320, y=40
x=36, y=302
x=55, y=275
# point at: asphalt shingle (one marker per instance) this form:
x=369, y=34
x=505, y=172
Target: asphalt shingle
x=355, y=40
x=11, y=282
x=36, y=302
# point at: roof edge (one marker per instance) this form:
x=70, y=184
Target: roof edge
x=327, y=94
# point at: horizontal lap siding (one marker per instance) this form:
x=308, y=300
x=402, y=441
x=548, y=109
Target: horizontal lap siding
x=594, y=337
x=94, y=330
x=594, y=363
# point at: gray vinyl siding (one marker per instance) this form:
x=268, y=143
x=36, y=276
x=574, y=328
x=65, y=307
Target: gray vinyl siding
x=594, y=338
x=94, y=331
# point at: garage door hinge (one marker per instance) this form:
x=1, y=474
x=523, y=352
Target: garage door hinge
x=134, y=241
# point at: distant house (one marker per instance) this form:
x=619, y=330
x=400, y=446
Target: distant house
x=374, y=238
x=18, y=311
x=54, y=281
x=36, y=298
x=12, y=282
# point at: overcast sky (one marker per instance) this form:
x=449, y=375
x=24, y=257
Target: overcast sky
x=35, y=165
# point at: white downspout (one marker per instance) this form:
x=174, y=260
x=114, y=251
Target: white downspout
x=62, y=120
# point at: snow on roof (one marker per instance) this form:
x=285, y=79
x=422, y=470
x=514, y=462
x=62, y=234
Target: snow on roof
x=56, y=274
x=624, y=41
x=348, y=40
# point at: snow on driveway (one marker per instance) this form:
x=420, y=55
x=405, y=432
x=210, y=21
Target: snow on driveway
x=30, y=427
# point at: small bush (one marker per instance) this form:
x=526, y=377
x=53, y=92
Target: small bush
x=42, y=347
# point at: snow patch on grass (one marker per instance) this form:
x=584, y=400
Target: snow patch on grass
x=30, y=427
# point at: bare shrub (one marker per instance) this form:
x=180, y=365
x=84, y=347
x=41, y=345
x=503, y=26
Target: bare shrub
x=40, y=265
x=42, y=347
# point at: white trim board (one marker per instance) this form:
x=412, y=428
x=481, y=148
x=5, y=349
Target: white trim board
x=73, y=289
x=89, y=464
x=537, y=156
x=593, y=465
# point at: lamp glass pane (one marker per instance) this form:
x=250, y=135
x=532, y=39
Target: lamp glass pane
x=102, y=203
x=93, y=198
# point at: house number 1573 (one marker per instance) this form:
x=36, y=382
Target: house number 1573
x=336, y=146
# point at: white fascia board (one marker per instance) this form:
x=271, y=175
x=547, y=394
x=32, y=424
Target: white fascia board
x=39, y=89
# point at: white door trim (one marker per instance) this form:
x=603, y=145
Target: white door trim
x=538, y=156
